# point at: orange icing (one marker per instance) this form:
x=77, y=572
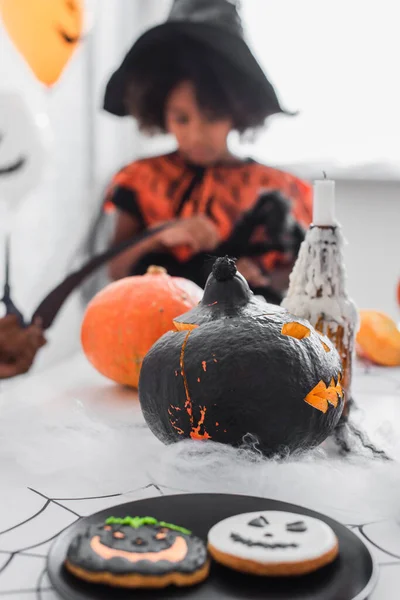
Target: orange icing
x=175, y=554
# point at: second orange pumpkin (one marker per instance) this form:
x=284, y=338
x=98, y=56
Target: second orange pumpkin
x=378, y=338
x=127, y=317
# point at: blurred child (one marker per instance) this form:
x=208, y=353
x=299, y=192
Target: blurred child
x=195, y=78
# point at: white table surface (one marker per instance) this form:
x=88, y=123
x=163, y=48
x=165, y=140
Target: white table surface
x=72, y=443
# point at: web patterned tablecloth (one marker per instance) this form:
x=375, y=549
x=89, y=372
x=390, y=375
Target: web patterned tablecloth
x=37, y=500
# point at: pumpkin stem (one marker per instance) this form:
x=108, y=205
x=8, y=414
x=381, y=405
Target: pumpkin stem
x=154, y=270
x=224, y=268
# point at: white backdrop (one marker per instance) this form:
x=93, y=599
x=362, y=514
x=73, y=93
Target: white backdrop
x=349, y=125
x=337, y=63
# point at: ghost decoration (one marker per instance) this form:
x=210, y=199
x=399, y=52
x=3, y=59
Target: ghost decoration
x=46, y=33
x=23, y=150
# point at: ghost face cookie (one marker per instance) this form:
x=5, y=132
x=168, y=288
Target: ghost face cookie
x=138, y=553
x=273, y=543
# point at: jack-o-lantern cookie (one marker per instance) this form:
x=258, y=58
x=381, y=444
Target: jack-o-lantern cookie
x=273, y=543
x=138, y=553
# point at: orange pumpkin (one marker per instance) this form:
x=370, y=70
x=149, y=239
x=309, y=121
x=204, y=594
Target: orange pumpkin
x=378, y=338
x=128, y=316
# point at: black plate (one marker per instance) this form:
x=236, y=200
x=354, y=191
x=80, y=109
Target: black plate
x=351, y=577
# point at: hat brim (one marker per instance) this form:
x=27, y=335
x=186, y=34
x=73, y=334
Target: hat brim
x=221, y=40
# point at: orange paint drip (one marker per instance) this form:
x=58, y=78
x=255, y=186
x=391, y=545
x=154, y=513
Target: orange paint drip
x=198, y=379
x=215, y=360
x=177, y=429
x=184, y=326
x=213, y=304
x=188, y=403
x=173, y=422
x=204, y=365
x=195, y=433
x=216, y=424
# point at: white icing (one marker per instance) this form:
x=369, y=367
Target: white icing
x=318, y=283
x=315, y=542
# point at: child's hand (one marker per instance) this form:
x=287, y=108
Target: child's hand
x=18, y=346
x=252, y=272
x=199, y=233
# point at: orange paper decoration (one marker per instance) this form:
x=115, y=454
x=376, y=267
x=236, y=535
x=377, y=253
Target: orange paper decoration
x=46, y=32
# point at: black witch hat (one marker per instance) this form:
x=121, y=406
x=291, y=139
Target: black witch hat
x=214, y=23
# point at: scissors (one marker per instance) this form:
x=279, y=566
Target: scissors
x=272, y=203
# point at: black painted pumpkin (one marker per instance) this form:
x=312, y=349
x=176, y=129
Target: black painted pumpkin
x=237, y=365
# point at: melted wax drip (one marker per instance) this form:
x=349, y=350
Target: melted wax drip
x=318, y=281
x=317, y=292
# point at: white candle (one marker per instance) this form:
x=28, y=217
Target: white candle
x=324, y=203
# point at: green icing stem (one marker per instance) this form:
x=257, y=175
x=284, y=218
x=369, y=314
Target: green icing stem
x=137, y=522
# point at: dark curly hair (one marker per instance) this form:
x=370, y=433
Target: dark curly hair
x=222, y=89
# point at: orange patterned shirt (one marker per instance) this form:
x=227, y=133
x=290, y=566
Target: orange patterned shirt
x=165, y=187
